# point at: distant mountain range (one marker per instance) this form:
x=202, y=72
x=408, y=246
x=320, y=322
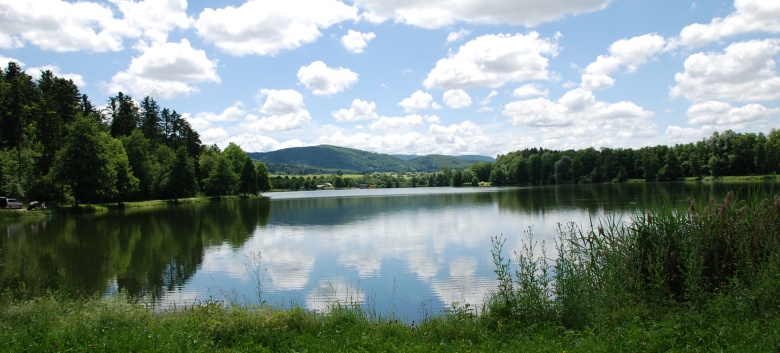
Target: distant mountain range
x=331, y=159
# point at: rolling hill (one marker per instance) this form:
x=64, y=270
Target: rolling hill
x=330, y=159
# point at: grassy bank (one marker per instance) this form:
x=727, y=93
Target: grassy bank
x=51, y=325
x=704, y=278
x=737, y=178
x=97, y=208
x=22, y=214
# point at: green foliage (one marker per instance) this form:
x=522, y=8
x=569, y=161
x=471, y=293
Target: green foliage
x=236, y=156
x=332, y=159
x=221, y=180
x=84, y=163
x=180, y=179
x=139, y=156
x=124, y=115
x=563, y=170
x=248, y=179
x=126, y=182
x=263, y=180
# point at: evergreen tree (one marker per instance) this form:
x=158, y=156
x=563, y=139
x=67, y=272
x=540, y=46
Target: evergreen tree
x=150, y=121
x=534, y=169
x=248, y=183
x=58, y=107
x=124, y=115
x=181, y=178
x=263, y=181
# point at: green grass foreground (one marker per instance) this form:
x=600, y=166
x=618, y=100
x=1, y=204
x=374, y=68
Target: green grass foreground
x=704, y=279
x=115, y=325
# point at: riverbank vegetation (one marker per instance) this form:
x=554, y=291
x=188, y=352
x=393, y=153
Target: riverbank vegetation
x=701, y=278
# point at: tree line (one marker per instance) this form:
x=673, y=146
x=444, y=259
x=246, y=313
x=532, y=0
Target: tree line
x=722, y=154
x=55, y=144
x=725, y=153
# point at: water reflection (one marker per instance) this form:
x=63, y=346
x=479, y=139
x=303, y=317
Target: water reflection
x=405, y=251
x=144, y=252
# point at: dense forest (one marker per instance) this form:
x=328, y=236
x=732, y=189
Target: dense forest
x=324, y=159
x=56, y=145
x=722, y=154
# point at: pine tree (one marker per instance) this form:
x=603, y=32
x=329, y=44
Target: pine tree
x=248, y=183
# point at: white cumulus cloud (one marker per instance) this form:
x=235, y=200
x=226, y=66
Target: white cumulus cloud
x=457, y=35
x=442, y=13
x=625, y=53
x=35, y=72
x=355, y=42
x=230, y=114
x=726, y=116
x=360, y=110
x=395, y=123
x=579, y=115
x=750, y=16
x=530, y=90
x=153, y=19
x=283, y=110
x=324, y=80
x=263, y=27
x=419, y=100
x=60, y=26
x=494, y=60
x=166, y=71
x=66, y=26
x=744, y=72
x=457, y=98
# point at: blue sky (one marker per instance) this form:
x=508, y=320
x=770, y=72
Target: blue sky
x=418, y=77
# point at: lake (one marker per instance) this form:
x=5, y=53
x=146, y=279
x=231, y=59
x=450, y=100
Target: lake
x=408, y=253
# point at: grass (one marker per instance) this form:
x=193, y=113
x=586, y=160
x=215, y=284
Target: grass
x=740, y=178
x=118, y=324
x=23, y=214
x=97, y=208
x=704, y=279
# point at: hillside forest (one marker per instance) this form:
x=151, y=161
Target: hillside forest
x=56, y=145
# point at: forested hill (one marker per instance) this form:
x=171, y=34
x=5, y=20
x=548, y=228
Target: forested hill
x=329, y=159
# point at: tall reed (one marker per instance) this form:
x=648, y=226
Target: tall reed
x=657, y=258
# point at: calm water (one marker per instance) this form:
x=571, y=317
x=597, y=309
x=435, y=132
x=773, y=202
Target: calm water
x=409, y=252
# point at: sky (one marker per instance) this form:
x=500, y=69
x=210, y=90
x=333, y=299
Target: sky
x=453, y=77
